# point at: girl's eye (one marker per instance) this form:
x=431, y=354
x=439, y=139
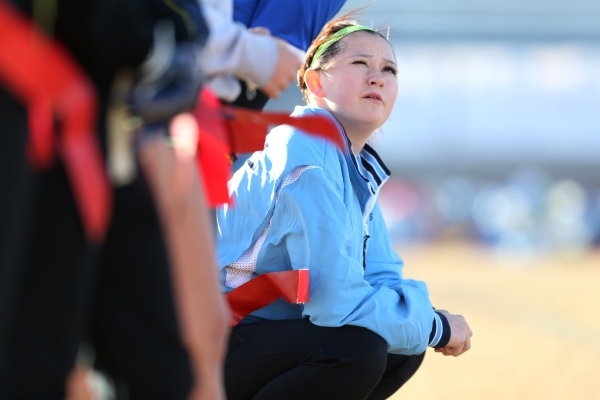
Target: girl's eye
x=360, y=62
x=393, y=70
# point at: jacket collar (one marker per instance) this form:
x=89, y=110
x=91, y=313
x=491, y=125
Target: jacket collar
x=368, y=172
x=368, y=165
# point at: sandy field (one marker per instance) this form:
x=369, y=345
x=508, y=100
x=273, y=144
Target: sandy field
x=536, y=324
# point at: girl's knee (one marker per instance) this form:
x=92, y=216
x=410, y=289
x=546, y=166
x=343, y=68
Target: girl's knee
x=370, y=353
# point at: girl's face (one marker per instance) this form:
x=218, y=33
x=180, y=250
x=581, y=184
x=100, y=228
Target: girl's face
x=360, y=86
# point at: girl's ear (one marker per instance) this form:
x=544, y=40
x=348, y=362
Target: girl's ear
x=312, y=78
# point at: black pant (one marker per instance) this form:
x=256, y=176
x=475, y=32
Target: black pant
x=16, y=198
x=54, y=285
x=295, y=359
x=135, y=331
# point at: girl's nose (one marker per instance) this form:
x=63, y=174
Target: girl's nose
x=376, y=79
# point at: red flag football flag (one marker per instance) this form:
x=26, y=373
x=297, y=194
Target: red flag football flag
x=42, y=75
x=261, y=291
x=226, y=130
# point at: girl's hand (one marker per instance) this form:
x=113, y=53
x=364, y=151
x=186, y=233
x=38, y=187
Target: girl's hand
x=460, y=335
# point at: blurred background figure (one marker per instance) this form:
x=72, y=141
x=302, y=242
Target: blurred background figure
x=235, y=53
x=274, y=17
x=495, y=186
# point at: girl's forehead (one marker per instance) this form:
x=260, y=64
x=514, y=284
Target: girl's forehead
x=366, y=42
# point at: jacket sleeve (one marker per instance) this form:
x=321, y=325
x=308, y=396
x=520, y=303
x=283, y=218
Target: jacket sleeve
x=232, y=49
x=384, y=268
x=313, y=220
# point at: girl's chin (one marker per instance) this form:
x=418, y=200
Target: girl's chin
x=367, y=122
x=375, y=122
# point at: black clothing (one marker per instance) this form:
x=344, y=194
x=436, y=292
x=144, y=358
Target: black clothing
x=295, y=359
x=55, y=288
x=57, y=284
x=257, y=101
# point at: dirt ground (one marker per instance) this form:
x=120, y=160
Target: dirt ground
x=536, y=324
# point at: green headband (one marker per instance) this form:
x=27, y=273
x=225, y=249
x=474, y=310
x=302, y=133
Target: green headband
x=342, y=33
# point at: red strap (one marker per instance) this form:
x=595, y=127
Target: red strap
x=261, y=291
x=213, y=149
x=214, y=165
x=247, y=128
x=224, y=130
x=44, y=76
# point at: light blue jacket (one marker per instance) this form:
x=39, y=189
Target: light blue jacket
x=304, y=203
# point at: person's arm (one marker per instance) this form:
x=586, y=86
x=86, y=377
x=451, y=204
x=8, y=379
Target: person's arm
x=319, y=236
x=450, y=333
x=268, y=62
x=460, y=339
x=384, y=268
x=202, y=312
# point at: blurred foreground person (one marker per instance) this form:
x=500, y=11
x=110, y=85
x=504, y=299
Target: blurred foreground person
x=304, y=203
x=58, y=285
x=274, y=17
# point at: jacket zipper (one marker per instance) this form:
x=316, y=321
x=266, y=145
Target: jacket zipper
x=366, y=217
x=365, y=252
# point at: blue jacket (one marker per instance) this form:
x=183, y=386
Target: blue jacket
x=304, y=203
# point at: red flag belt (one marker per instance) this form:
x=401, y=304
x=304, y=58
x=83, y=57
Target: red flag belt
x=224, y=130
x=42, y=75
x=292, y=286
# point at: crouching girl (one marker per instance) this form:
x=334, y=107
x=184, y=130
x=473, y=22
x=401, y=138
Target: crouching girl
x=305, y=203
